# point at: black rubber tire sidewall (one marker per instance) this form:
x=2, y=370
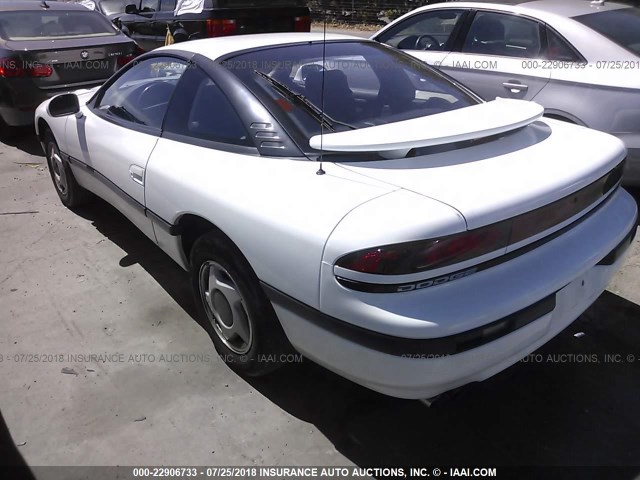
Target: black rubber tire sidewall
x=269, y=342
x=75, y=194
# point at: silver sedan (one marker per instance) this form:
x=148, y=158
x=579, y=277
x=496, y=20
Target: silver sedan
x=578, y=59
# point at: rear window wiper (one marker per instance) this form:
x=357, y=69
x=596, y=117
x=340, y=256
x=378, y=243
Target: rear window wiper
x=314, y=111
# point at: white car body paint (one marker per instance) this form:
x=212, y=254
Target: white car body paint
x=477, y=121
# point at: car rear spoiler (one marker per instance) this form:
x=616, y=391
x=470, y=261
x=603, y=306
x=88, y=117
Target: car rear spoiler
x=395, y=140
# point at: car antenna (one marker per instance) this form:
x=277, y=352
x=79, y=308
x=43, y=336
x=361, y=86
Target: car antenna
x=324, y=54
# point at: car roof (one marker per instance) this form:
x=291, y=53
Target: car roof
x=36, y=5
x=565, y=8
x=215, y=48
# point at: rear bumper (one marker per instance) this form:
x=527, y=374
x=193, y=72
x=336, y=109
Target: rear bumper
x=15, y=117
x=425, y=367
x=19, y=101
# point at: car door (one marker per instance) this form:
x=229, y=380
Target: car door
x=203, y=137
x=498, y=54
x=426, y=35
x=110, y=141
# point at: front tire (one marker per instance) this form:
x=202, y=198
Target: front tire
x=236, y=312
x=71, y=194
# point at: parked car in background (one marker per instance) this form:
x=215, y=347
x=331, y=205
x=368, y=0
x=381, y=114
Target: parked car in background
x=578, y=59
x=106, y=7
x=440, y=240
x=146, y=21
x=51, y=47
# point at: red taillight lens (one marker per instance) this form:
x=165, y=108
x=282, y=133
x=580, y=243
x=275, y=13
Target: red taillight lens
x=40, y=71
x=123, y=60
x=462, y=247
x=11, y=68
x=302, y=24
x=221, y=28
x=413, y=257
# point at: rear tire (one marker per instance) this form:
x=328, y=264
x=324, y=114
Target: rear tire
x=234, y=308
x=71, y=194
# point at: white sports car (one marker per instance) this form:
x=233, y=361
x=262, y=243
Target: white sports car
x=345, y=199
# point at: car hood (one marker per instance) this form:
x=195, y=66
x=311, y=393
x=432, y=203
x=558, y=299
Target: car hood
x=505, y=175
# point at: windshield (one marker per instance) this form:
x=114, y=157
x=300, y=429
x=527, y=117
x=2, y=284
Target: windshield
x=621, y=26
x=52, y=25
x=365, y=84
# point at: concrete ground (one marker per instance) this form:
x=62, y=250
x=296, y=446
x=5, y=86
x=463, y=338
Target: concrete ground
x=87, y=282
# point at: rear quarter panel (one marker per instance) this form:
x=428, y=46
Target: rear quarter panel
x=278, y=211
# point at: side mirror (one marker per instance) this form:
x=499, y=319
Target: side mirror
x=131, y=9
x=63, y=105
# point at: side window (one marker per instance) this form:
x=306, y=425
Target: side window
x=141, y=94
x=504, y=35
x=167, y=5
x=149, y=6
x=425, y=31
x=559, y=49
x=201, y=110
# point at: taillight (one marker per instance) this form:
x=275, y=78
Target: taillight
x=40, y=71
x=302, y=24
x=421, y=255
x=12, y=68
x=124, y=59
x=220, y=28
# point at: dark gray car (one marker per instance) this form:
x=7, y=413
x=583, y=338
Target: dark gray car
x=47, y=48
x=146, y=21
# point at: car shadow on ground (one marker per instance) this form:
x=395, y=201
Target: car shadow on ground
x=11, y=461
x=574, y=402
x=23, y=138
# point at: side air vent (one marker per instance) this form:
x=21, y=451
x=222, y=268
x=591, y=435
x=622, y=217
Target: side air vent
x=266, y=136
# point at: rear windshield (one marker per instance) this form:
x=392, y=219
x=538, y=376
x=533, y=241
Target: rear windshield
x=52, y=25
x=621, y=26
x=357, y=85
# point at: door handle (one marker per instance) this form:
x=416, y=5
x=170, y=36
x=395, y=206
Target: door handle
x=515, y=87
x=137, y=174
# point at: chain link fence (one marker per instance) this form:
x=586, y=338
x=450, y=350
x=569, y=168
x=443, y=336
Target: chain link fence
x=359, y=12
